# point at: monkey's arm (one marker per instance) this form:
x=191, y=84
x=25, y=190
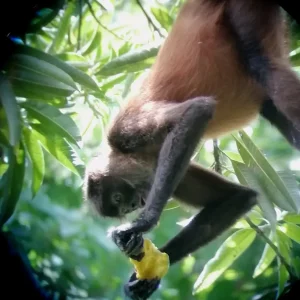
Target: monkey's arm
x=174, y=157
x=223, y=203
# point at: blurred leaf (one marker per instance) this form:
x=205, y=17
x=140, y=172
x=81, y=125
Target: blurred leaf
x=74, y=59
x=11, y=184
x=76, y=74
x=35, y=65
x=295, y=59
x=129, y=62
x=283, y=276
x=55, y=120
x=112, y=82
x=162, y=15
x=56, y=146
x=266, y=167
x=284, y=244
x=227, y=253
x=9, y=103
x=39, y=83
x=63, y=28
x=266, y=259
x=292, y=231
x=95, y=42
x=25, y=91
x=292, y=218
x=234, y=156
x=36, y=155
x=296, y=265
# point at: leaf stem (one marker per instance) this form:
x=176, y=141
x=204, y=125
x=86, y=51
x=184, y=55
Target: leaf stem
x=293, y=277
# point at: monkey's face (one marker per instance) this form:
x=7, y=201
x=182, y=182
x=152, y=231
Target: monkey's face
x=113, y=196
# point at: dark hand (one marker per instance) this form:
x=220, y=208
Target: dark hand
x=129, y=242
x=137, y=289
x=129, y=239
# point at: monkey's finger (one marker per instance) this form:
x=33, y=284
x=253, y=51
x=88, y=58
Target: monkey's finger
x=134, y=246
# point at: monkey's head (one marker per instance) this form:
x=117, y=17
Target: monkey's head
x=116, y=184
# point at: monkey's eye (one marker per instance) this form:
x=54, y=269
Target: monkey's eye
x=117, y=198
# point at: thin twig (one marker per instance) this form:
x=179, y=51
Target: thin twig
x=100, y=24
x=218, y=167
x=150, y=21
x=271, y=244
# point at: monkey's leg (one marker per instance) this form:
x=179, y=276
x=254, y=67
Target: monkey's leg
x=283, y=87
x=174, y=157
x=214, y=219
x=272, y=72
x=271, y=113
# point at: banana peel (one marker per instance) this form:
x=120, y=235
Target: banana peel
x=154, y=264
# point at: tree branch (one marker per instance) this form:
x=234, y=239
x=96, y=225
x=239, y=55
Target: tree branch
x=150, y=21
x=100, y=24
x=217, y=167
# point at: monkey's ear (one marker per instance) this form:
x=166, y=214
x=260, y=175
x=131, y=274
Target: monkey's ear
x=281, y=122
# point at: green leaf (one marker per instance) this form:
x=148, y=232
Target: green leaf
x=55, y=120
x=38, y=66
x=296, y=265
x=94, y=43
x=161, y=14
x=9, y=103
x=11, y=184
x=266, y=259
x=284, y=245
x=292, y=231
x=64, y=25
x=292, y=218
x=264, y=181
x=55, y=145
x=77, y=75
x=112, y=82
x=74, y=59
x=40, y=83
x=36, y=155
x=229, y=251
x=25, y=91
x=129, y=62
x=266, y=167
x=291, y=184
x=283, y=276
x=295, y=59
x=250, y=179
x=233, y=156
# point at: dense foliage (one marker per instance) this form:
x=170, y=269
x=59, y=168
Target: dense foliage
x=58, y=92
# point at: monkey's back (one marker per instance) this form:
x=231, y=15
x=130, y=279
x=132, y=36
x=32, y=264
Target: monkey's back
x=199, y=58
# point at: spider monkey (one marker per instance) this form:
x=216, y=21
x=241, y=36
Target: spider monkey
x=224, y=63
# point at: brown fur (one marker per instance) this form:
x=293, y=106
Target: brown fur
x=198, y=58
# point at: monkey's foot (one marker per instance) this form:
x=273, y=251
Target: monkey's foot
x=137, y=289
x=129, y=242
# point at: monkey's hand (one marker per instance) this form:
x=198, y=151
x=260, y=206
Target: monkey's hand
x=137, y=289
x=129, y=242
